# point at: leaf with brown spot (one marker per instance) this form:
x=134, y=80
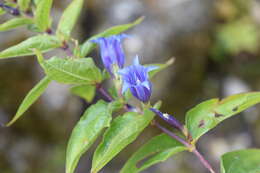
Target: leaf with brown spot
x=215, y=111
x=201, y=124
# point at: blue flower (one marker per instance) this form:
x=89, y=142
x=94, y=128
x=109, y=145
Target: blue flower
x=135, y=78
x=111, y=51
x=169, y=119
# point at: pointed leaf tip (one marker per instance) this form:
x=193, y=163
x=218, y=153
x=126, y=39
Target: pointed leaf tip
x=30, y=98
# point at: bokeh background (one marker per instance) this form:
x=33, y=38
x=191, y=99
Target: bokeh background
x=217, y=53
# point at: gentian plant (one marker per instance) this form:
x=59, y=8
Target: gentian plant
x=79, y=71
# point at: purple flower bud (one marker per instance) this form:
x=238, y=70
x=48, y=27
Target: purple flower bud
x=111, y=51
x=135, y=78
x=168, y=118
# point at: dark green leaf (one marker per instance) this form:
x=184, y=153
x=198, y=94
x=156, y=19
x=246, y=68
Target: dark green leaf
x=89, y=127
x=24, y=4
x=242, y=161
x=160, y=67
x=208, y=114
x=158, y=149
x=30, y=98
x=42, y=15
x=87, y=92
x=88, y=46
x=123, y=131
x=69, y=18
x=14, y=23
x=71, y=71
x=43, y=43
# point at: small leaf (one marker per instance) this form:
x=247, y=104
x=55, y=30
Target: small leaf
x=87, y=92
x=241, y=161
x=42, y=15
x=89, y=127
x=88, y=46
x=24, y=4
x=123, y=131
x=43, y=43
x=156, y=150
x=208, y=114
x=69, y=18
x=160, y=67
x=30, y=98
x=14, y=23
x=71, y=71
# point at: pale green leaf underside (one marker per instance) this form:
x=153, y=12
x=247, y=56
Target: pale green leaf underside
x=89, y=127
x=123, y=131
x=69, y=18
x=14, y=23
x=42, y=14
x=30, y=98
x=71, y=71
x=88, y=46
x=42, y=43
x=208, y=114
x=158, y=149
x=86, y=92
x=241, y=161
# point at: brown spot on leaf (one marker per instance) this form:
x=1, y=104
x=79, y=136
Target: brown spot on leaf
x=235, y=109
x=218, y=115
x=201, y=123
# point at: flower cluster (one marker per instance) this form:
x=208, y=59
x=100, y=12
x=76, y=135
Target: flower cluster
x=135, y=77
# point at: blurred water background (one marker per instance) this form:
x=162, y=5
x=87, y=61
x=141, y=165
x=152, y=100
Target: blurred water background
x=217, y=51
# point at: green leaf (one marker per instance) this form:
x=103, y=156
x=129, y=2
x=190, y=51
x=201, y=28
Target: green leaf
x=43, y=43
x=24, y=4
x=160, y=67
x=86, y=131
x=2, y=11
x=14, y=23
x=36, y=2
x=87, y=92
x=123, y=131
x=208, y=114
x=88, y=46
x=116, y=105
x=241, y=161
x=42, y=15
x=71, y=71
x=69, y=18
x=156, y=150
x=30, y=98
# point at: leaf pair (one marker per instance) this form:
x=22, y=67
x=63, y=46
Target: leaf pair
x=122, y=131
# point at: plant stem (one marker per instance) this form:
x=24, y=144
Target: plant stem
x=104, y=93
x=168, y=132
x=203, y=160
x=188, y=145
